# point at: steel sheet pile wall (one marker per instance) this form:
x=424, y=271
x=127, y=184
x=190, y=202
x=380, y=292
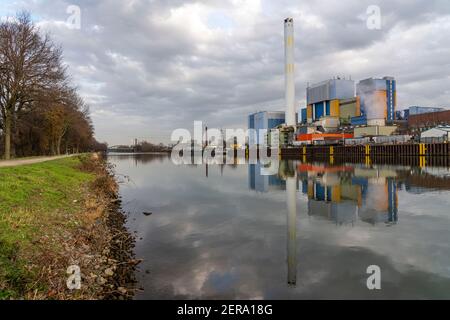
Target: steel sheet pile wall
x=371, y=150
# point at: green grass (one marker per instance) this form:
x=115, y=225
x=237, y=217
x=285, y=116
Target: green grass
x=34, y=199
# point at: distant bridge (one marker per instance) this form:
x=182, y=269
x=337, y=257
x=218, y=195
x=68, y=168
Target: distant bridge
x=122, y=149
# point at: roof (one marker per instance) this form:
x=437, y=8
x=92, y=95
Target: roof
x=440, y=128
x=443, y=128
x=269, y=113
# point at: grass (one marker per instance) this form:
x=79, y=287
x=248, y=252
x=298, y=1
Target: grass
x=36, y=202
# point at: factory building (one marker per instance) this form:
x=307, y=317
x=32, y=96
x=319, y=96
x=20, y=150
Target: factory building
x=429, y=120
x=378, y=99
x=264, y=120
x=323, y=99
x=348, y=109
x=421, y=110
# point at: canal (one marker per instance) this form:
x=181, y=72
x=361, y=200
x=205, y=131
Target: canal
x=286, y=230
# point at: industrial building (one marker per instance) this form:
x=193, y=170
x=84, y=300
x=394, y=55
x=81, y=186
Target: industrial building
x=378, y=103
x=374, y=104
x=415, y=110
x=348, y=109
x=332, y=106
x=337, y=110
x=324, y=98
x=264, y=120
x=378, y=99
x=429, y=120
x=421, y=110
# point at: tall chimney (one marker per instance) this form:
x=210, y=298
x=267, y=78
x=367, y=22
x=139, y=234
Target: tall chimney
x=290, y=75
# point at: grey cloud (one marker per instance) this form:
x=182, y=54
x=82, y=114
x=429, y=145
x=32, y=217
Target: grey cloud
x=160, y=65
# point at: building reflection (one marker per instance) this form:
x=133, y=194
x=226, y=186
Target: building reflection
x=281, y=175
x=344, y=194
x=265, y=177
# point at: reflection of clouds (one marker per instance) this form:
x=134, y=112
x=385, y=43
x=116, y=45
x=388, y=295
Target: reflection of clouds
x=225, y=241
x=425, y=243
x=431, y=204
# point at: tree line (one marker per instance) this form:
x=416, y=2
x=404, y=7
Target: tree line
x=41, y=111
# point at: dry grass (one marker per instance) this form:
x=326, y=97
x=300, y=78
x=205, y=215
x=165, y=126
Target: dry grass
x=62, y=222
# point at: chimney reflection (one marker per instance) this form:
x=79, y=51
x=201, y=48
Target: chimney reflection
x=291, y=188
x=288, y=173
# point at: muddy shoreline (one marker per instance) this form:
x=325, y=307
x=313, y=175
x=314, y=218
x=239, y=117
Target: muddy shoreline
x=104, y=248
x=120, y=250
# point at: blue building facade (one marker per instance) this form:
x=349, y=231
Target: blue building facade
x=264, y=120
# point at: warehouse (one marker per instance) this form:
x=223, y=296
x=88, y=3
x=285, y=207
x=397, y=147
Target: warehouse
x=435, y=135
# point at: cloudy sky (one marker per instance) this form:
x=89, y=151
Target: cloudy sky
x=147, y=67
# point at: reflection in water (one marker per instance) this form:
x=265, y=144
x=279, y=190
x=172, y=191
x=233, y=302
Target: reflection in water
x=239, y=231
x=339, y=193
x=291, y=187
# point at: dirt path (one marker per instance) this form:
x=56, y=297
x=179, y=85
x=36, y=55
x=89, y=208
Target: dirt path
x=22, y=162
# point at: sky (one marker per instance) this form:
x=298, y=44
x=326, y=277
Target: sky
x=148, y=67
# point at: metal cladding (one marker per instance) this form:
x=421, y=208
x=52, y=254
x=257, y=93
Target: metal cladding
x=262, y=122
x=378, y=98
x=323, y=98
x=421, y=110
x=332, y=89
x=289, y=71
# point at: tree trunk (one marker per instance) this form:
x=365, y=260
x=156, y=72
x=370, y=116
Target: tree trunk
x=7, y=124
x=52, y=147
x=58, y=146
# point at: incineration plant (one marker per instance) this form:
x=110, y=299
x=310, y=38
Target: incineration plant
x=340, y=110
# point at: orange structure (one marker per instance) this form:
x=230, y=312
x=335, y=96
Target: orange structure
x=311, y=137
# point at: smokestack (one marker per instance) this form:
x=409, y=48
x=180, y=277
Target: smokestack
x=290, y=75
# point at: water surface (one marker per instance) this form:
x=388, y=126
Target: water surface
x=287, y=230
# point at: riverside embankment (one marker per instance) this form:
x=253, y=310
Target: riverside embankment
x=59, y=215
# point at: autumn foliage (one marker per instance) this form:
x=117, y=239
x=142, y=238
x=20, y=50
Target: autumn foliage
x=41, y=111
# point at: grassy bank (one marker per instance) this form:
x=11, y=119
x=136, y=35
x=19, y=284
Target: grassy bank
x=54, y=215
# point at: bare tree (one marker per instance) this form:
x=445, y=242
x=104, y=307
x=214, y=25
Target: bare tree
x=30, y=66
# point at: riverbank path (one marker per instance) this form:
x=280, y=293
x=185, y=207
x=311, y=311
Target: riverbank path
x=27, y=161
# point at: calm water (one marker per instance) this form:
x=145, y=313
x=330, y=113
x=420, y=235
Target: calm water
x=289, y=230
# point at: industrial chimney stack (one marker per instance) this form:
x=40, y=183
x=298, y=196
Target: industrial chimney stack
x=290, y=68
